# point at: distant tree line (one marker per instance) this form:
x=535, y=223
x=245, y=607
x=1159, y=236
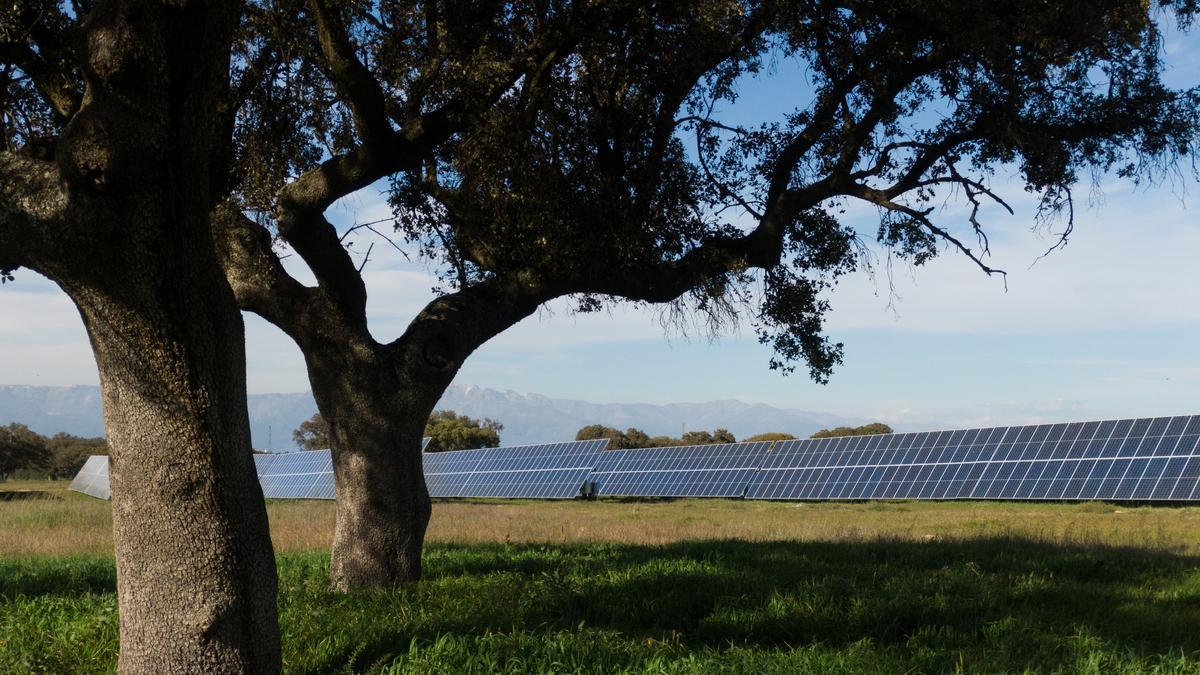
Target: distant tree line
x=447, y=430
x=24, y=453
x=864, y=430
x=636, y=438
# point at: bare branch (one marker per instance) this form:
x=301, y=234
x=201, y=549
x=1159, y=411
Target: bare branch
x=880, y=198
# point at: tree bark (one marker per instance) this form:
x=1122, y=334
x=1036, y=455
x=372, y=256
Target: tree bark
x=196, y=575
x=376, y=420
x=138, y=168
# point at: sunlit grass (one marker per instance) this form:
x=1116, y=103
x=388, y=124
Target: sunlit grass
x=63, y=523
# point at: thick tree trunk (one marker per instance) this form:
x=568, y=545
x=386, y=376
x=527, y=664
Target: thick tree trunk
x=141, y=162
x=376, y=422
x=196, y=576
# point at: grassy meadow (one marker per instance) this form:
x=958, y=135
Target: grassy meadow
x=672, y=586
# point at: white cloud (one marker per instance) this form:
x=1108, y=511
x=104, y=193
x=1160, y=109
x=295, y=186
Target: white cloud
x=1130, y=263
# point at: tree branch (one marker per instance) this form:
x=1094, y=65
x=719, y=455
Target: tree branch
x=256, y=274
x=355, y=83
x=303, y=201
x=55, y=88
x=33, y=202
x=881, y=198
x=451, y=327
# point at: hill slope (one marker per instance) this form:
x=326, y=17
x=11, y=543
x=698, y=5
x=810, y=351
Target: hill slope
x=527, y=418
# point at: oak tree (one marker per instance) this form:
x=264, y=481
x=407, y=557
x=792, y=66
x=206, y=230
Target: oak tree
x=21, y=448
x=447, y=430
x=312, y=434
x=115, y=147
x=575, y=149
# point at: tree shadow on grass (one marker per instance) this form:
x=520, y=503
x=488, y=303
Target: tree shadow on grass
x=66, y=577
x=23, y=495
x=995, y=604
x=1018, y=601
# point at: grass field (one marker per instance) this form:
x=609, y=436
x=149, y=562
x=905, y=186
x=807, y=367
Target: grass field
x=678, y=586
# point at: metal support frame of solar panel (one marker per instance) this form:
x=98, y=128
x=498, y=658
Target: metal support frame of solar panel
x=1149, y=459
x=721, y=470
x=545, y=471
x=299, y=475
x=92, y=478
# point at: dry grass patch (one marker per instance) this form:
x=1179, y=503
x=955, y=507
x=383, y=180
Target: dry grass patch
x=59, y=522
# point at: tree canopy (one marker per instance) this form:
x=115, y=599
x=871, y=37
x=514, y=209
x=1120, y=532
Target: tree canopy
x=21, y=448
x=770, y=436
x=312, y=434
x=864, y=430
x=636, y=438
x=446, y=429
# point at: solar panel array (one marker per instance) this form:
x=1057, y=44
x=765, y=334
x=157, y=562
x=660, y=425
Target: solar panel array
x=92, y=479
x=1143, y=459
x=548, y=471
x=299, y=475
x=685, y=471
x=1118, y=460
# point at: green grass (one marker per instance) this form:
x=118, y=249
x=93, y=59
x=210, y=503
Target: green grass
x=983, y=605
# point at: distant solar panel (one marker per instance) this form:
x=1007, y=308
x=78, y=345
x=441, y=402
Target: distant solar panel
x=92, y=479
x=687, y=471
x=446, y=473
x=547, y=471
x=1118, y=460
x=299, y=475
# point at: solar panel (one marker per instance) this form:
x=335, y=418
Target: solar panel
x=299, y=475
x=546, y=471
x=1116, y=460
x=721, y=470
x=92, y=478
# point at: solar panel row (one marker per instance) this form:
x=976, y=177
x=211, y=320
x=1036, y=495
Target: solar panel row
x=550, y=471
x=1141, y=459
x=686, y=471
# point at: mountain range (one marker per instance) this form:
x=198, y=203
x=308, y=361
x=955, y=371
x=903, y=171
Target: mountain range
x=527, y=418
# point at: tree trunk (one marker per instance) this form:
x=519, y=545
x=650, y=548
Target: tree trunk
x=142, y=161
x=196, y=576
x=376, y=421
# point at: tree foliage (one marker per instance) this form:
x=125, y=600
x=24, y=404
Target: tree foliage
x=312, y=434
x=68, y=453
x=447, y=430
x=450, y=431
x=578, y=149
x=770, y=436
x=636, y=438
x=21, y=448
x=36, y=456
x=864, y=430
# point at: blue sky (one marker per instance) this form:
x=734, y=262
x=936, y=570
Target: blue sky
x=1107, y=327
